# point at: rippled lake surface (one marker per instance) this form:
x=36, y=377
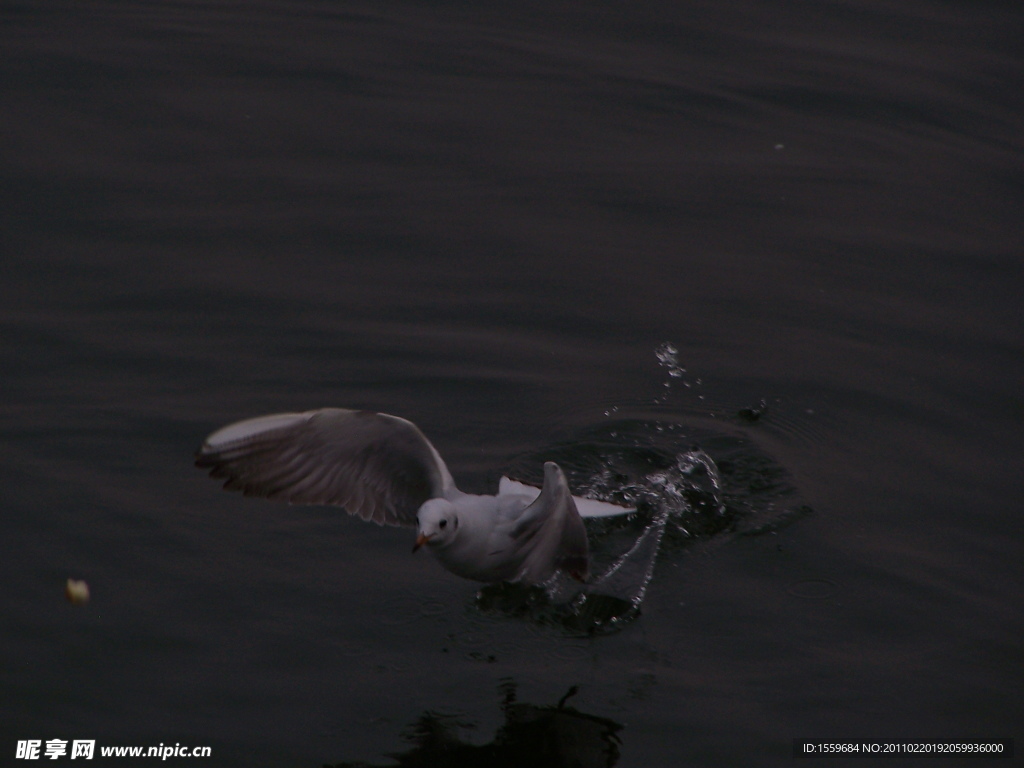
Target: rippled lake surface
x=491, y=219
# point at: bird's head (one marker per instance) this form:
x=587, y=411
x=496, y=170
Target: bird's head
x=437, y=522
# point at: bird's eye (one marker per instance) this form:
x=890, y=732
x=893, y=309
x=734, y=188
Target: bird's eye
x=442, y=524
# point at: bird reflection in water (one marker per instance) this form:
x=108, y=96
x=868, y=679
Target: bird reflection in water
x=556, y=736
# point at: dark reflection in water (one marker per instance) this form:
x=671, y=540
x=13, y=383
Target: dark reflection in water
x=558, y=736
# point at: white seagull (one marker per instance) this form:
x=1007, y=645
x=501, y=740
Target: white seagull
x=382, y=468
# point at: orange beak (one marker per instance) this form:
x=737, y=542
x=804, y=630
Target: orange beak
x=420, y=541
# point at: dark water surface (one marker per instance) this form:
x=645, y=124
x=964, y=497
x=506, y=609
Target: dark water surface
x=487, y=218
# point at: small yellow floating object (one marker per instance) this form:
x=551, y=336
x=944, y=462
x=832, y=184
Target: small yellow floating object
x=76, y=591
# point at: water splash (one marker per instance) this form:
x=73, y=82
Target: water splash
x=683, y=499
x=687, y=485
x=667, y=355
x=682, y=494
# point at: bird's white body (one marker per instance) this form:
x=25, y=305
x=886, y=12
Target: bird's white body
x=383, y=469
x=480, y=545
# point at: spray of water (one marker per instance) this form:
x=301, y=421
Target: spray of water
x=681, y=494
x=682, y=499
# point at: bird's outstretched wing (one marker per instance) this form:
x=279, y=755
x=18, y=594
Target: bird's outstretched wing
x=550, y=533
x=376, y=466
x=586, y=507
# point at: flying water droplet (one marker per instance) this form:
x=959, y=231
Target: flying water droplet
x=667, y=355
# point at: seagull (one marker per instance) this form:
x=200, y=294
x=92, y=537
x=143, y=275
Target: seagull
x=382, y=468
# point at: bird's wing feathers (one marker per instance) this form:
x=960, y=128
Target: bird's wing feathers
x=586, y=507
x=551, y=533
x=376, y=466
